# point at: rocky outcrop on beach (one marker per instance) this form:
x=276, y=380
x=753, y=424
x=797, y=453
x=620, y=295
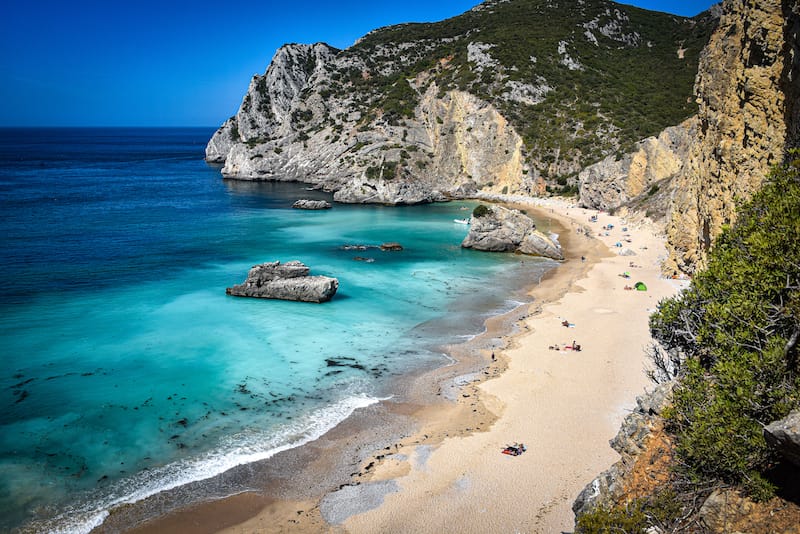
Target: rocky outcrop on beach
x=507, y=230
x=783, y=436
x=630, y=442
x=304, y=204
x=287, y=281
x=453, y=108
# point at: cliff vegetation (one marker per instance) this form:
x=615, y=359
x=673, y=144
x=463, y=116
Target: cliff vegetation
x=731, y=341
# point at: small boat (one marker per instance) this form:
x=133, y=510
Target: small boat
x=461, y=221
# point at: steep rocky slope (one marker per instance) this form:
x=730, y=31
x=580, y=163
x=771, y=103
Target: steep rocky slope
x=514, y=96
x=748, y=89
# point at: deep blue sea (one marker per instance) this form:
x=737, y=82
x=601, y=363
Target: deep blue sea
x=126, y=370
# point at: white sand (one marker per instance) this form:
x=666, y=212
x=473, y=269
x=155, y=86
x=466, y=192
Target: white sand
x=563, y=405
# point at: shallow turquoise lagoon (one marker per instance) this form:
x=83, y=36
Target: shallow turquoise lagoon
x=126, y=369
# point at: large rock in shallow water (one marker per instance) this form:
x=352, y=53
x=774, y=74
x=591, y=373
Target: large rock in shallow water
x=505, y=230
x=305, y=204
x=288, y=281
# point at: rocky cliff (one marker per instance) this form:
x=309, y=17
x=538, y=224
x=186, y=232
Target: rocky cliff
x=616, y=181
x=748, y=90
x=514, y=96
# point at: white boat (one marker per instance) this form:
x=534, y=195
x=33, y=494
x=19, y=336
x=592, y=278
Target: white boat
x=461, y=221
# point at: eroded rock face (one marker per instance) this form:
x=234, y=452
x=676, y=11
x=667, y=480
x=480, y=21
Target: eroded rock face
x=506, y=230
x=613, y=182
x=784, y=436
x=722, y=508
x=748, y=91
x=288, y=281
x=748, y=88
x=629, y=442
x=454, y=144
x=305, y=204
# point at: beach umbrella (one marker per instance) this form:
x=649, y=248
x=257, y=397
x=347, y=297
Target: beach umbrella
x=640, y=286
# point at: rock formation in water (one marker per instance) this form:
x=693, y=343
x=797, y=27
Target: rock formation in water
x=304, y=204
x=425, y=112
x=507, y=230
x=288, y=281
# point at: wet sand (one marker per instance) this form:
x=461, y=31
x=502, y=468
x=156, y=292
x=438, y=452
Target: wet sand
x=432, y=461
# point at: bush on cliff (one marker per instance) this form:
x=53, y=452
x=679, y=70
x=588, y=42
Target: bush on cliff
x=733, y=335
x=661, y=510
x=481, y=211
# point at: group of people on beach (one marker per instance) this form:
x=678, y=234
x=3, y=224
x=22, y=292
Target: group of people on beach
x=574, y=346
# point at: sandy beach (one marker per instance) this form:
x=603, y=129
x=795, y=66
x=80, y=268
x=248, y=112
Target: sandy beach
x=518, y=382
x=564, y=405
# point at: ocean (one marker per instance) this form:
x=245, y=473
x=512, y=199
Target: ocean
x=127, y=371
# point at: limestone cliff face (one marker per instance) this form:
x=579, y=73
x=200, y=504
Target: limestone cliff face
x=614, y=182
x=420, y=112
x=454, y=145
x=748, y=90
x=266, y=110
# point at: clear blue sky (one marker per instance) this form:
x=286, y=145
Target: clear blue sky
x=176, y=63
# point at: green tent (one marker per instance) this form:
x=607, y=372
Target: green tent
x=640, y=286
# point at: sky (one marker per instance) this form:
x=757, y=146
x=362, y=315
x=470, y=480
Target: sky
x=177, y=63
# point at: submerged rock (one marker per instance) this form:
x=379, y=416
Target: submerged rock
x=305, y=204
x=506, y=230
x=288, y=281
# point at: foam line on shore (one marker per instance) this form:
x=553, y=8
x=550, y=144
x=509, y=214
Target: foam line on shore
x=244, y=448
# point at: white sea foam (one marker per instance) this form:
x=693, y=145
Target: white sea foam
x=243, y=448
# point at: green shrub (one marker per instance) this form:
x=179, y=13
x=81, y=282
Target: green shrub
x=629, y=520
x=661, y=510
x=481, y=211
x=390, y=170
x=736, y=329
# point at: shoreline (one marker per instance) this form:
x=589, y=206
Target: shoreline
x=394, y=459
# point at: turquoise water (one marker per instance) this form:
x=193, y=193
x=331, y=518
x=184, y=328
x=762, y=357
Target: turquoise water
x=126, y=369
